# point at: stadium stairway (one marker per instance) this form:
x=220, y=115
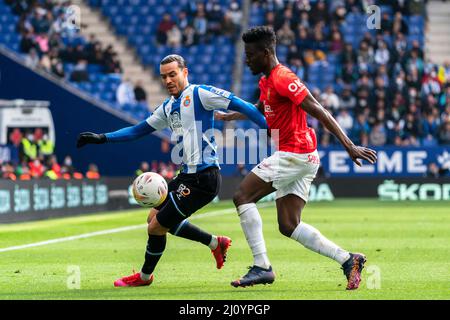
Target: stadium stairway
x=437, y=38
x=132, y=68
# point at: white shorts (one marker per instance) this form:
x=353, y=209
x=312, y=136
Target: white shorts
x=290, y=173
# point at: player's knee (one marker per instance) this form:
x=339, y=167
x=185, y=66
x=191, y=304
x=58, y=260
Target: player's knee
x=240, y=198
x=286, y=229
x=155, y=228
x=151, y=215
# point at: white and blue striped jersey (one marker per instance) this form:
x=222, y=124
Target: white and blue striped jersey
x=191, y=119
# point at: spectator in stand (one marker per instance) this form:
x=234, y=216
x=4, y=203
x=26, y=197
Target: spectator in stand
x=174, y=37
x=235, y=14
x=296, y=66
x=46, y=147
x=57, y=68
x=37, y=169
x=182, y=20
x=319, y=13
x=32, y=59
x=139, y=92
x=144, y=167
x=378, y=135
x=27, y=42
x=336, y=44
x=92, y=172
x=15, y=137
x=382, y=54
x=345, y=120
x=228, y=28
x=360, y=126
x=444, y=133
x=330, y=99
x=23, y=172
x=80, y=73
x=285, y=35
x=432, y=171
x=200, y=24
x=125, y=93
x=347, y=99
x=7, y=171
x=164, y=26
x=189, y=36
x=214, y=16
x=28, y=150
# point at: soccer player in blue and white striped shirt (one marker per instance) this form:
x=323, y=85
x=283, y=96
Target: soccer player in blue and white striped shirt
x=189, y=113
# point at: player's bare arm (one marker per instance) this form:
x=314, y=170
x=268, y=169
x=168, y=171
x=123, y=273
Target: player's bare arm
x=229, y=116
x=234, y=115
x=315, y=109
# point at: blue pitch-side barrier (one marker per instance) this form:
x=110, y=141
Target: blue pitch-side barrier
x=392, y=162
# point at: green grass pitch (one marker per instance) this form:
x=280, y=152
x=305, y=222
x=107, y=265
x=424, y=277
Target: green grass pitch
x=407, y=246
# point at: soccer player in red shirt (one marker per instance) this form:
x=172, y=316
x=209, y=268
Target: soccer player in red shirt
x=290, y=170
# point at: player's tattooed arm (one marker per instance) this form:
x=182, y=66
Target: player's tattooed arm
x=315, y=109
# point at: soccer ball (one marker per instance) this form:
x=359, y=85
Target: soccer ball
x=149, y=189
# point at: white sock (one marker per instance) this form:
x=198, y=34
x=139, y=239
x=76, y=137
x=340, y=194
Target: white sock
x=214, y=243
x=312, y=239
x=252, y=226
x=145, y=276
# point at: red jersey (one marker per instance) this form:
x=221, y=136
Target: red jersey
x=282, y=94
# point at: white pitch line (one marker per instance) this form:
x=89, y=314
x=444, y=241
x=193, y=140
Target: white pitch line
x=116, y=230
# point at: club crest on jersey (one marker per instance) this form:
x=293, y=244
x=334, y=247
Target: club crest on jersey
x=187, y=101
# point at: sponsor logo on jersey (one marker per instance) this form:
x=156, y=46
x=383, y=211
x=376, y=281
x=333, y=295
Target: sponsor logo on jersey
x=221, y=92
x=183, y=191
x=296, y=87
x=267, y=109
x=175, y=122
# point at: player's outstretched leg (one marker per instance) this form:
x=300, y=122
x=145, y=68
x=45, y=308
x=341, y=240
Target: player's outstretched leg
x=289, y=210
x=251, y=189
x=218, y=244
x=220, y=252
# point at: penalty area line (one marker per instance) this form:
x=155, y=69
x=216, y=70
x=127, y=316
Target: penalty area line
x=116, y=230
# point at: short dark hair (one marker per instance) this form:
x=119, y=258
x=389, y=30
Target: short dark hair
x=174, y=57
x=264, y=36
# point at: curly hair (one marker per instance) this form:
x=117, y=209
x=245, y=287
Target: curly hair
x=263, y=36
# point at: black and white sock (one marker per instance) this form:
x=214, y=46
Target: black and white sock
x=155, y=248
x=191, y=232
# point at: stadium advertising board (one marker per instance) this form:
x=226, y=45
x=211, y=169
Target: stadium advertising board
x=392, y=162
x=399, y=189
x=33, y=200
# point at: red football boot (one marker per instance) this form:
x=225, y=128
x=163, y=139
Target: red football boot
x=220, y=253
x=133, y=281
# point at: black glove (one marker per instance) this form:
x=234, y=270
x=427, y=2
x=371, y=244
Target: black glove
x=85, y=138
